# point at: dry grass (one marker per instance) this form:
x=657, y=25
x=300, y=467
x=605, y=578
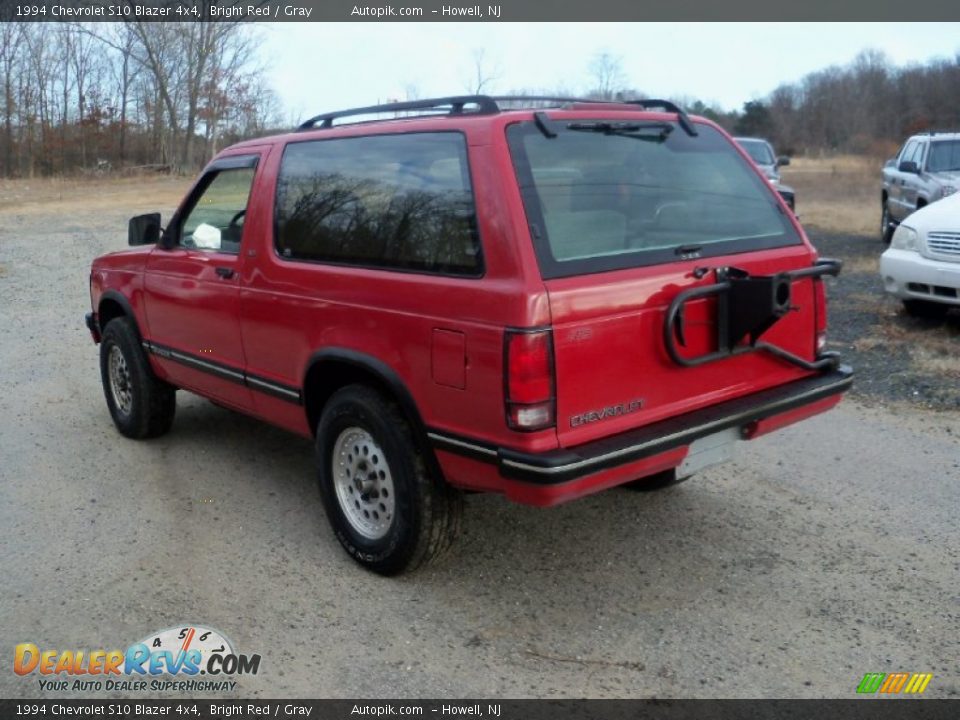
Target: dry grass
x=929, y=353
x=865, y=302
x=839, y=194
x=862, y=264
x=937, y=363
x=150, y=192
x=871, y=342
x=834, y=165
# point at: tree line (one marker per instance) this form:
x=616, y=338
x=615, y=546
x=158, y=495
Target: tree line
x=80, y=97
x=85, y=96
x=866, y=107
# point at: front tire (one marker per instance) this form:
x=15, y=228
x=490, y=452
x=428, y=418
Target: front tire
x=925, y=309
x=886, y=227
x=141, y=404
x=386, y=508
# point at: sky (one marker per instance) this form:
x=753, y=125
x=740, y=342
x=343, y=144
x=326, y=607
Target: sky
x=317, y=67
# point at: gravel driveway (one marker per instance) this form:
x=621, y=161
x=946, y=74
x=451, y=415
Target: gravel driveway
x=825, y=551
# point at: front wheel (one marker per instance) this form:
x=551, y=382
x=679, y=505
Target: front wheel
x=141, y=404
x=386, y=508
x=886, y=227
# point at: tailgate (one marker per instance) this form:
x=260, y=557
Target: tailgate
x=613, y=370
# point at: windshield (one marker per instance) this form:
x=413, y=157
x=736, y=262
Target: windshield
x=759, y=151
x=944, y=156
x=602, y=200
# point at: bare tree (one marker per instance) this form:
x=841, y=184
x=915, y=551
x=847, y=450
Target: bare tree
x=124, y=70
x=483, y=74
x=83, y=60
x=608, y=77
x=163, y=93
x=11, y=38
x=37, y=95
x=156, y=50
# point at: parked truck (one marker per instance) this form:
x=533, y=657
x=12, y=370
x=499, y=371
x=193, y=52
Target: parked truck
x=926, y=169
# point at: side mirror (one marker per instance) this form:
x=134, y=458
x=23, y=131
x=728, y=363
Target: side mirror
x=783, y=161
x=144, y=229
x=908, y=166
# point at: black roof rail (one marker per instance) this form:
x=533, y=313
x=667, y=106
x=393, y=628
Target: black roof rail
x=452, y=105
x=487, y=105
x=559, y=100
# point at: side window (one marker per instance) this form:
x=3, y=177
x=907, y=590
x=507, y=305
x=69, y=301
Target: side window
x=920, y=155
x=215, y=222
x=917, y=154
x=390, y=201
x=908, y=151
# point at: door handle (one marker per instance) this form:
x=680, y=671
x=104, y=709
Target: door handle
x=225, y=272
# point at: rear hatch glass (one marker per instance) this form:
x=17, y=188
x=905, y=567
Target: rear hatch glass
x=607, y=194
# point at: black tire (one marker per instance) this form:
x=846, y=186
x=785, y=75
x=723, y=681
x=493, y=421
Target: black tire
x=886, y=227
x=389, y=513
x=926, y=309
x=141, y=404
x=659, y=481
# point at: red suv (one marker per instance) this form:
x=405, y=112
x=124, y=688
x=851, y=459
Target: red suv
x=541, y=298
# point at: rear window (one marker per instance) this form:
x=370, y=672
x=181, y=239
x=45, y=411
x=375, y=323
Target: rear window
x=391, y=201
x=606, y=195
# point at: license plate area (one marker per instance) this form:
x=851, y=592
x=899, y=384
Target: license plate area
x=709, y=451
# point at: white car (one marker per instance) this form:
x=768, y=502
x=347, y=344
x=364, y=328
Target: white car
x=922, y=265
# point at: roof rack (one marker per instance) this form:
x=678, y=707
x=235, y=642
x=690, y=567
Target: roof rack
x=448, y=105
x=556, y=100
x=487, y=105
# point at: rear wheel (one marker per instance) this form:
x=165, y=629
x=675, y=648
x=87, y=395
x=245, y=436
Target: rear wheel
x=925, y=309
x=386, y=508
x=659, y=481
x=141, y=404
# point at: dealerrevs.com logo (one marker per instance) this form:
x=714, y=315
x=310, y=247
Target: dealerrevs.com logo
x=181, y=653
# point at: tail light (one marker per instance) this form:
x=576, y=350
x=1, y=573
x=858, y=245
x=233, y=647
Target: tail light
x=529, y=386
x=820, y=310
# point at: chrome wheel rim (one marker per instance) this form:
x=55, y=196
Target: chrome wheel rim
x=119, y=380
x=884, y=220
x=363, y=483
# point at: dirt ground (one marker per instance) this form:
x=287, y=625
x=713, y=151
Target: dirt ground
x=824, y=551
